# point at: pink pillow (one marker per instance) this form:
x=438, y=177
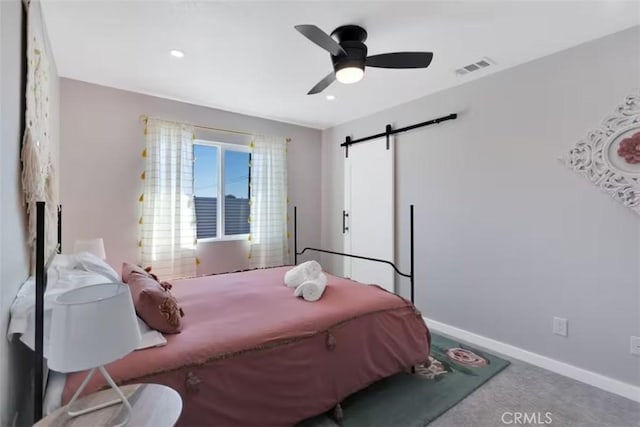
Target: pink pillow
x=128, y=268
x=155, y=305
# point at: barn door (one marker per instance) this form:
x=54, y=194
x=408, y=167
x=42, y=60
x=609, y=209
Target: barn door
x=369, y=211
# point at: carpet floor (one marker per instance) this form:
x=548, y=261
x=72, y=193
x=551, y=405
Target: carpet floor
x=414, y=400
x=525, y=388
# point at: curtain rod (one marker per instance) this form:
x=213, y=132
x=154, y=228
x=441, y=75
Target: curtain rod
x=144, y=119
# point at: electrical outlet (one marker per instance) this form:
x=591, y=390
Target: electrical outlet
x=560, y=326
x=635, y=346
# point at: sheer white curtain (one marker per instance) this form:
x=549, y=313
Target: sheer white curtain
x=168, y=227
x=268, y=239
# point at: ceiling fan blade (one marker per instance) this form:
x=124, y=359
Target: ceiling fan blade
x=323, y=84
x=400, y=60
x=321, y=38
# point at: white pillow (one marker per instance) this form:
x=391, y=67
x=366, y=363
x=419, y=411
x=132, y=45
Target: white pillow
x=68, y=271
x=59, y=280
x=149, y=337
x=87, y=261
x=64, y=261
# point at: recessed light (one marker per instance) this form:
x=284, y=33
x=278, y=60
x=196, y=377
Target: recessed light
x=176, y=53
x=330, y=97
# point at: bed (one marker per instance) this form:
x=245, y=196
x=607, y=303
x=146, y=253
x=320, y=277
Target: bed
x=252, y=354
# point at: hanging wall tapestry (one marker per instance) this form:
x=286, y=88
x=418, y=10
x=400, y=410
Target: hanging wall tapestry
x=609, y=156
x=38, y=175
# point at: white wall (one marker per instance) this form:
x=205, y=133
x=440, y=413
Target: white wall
x=14, y=264
x=506, y=236
x=102, y=141
x=15, y=359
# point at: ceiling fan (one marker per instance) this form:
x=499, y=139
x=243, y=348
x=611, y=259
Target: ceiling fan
x=349, y=55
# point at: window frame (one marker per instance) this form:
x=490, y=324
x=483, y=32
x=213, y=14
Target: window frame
x=222, y=148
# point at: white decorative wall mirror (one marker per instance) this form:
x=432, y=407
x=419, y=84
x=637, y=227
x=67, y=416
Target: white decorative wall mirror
x=609, y=156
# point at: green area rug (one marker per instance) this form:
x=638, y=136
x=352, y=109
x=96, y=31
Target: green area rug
x=414, y=400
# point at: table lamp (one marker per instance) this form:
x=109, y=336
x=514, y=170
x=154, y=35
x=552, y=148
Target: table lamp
x=95, y=246
x=92, y=326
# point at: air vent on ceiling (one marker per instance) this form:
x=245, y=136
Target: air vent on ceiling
x=475, y=66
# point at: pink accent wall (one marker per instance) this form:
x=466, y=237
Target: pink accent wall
x=100, y=166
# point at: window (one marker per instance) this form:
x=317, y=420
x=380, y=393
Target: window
x=221, y=170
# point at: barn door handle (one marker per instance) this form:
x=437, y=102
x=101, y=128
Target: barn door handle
x=345, y=215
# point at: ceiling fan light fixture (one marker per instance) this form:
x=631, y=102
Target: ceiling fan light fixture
x=348, y=75
x=349, y=55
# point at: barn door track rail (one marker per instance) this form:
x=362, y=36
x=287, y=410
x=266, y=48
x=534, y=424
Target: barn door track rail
x=389, y=131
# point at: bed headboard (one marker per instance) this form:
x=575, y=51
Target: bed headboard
x=43, y=260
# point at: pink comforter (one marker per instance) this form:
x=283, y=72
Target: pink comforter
x=250, y=353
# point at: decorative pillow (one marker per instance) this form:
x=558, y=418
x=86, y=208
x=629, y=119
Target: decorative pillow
x=154, y=304
x=161, y=311
x=128, y=268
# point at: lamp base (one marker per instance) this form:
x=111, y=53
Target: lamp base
x=122, y=398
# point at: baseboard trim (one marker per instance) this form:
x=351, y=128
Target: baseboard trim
x=588, y=377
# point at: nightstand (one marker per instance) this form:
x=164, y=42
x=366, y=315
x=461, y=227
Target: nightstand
x=153, y=405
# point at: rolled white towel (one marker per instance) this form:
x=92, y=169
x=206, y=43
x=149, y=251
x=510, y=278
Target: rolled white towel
x=312, y=290
x=306, y=271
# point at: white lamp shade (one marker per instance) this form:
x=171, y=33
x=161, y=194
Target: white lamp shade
x=94, y=246
x=92, y=326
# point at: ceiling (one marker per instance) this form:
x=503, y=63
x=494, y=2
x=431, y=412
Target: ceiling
x=246, y=57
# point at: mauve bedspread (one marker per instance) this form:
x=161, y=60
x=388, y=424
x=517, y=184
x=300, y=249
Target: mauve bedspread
x=250, y=353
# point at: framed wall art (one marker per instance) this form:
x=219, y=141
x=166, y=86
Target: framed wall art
x=609, y=156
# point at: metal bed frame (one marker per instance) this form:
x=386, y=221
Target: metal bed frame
x=410, y=275
x=42, y=265
x=43, y=262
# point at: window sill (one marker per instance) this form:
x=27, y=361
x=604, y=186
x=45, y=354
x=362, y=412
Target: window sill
x=224, y=239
